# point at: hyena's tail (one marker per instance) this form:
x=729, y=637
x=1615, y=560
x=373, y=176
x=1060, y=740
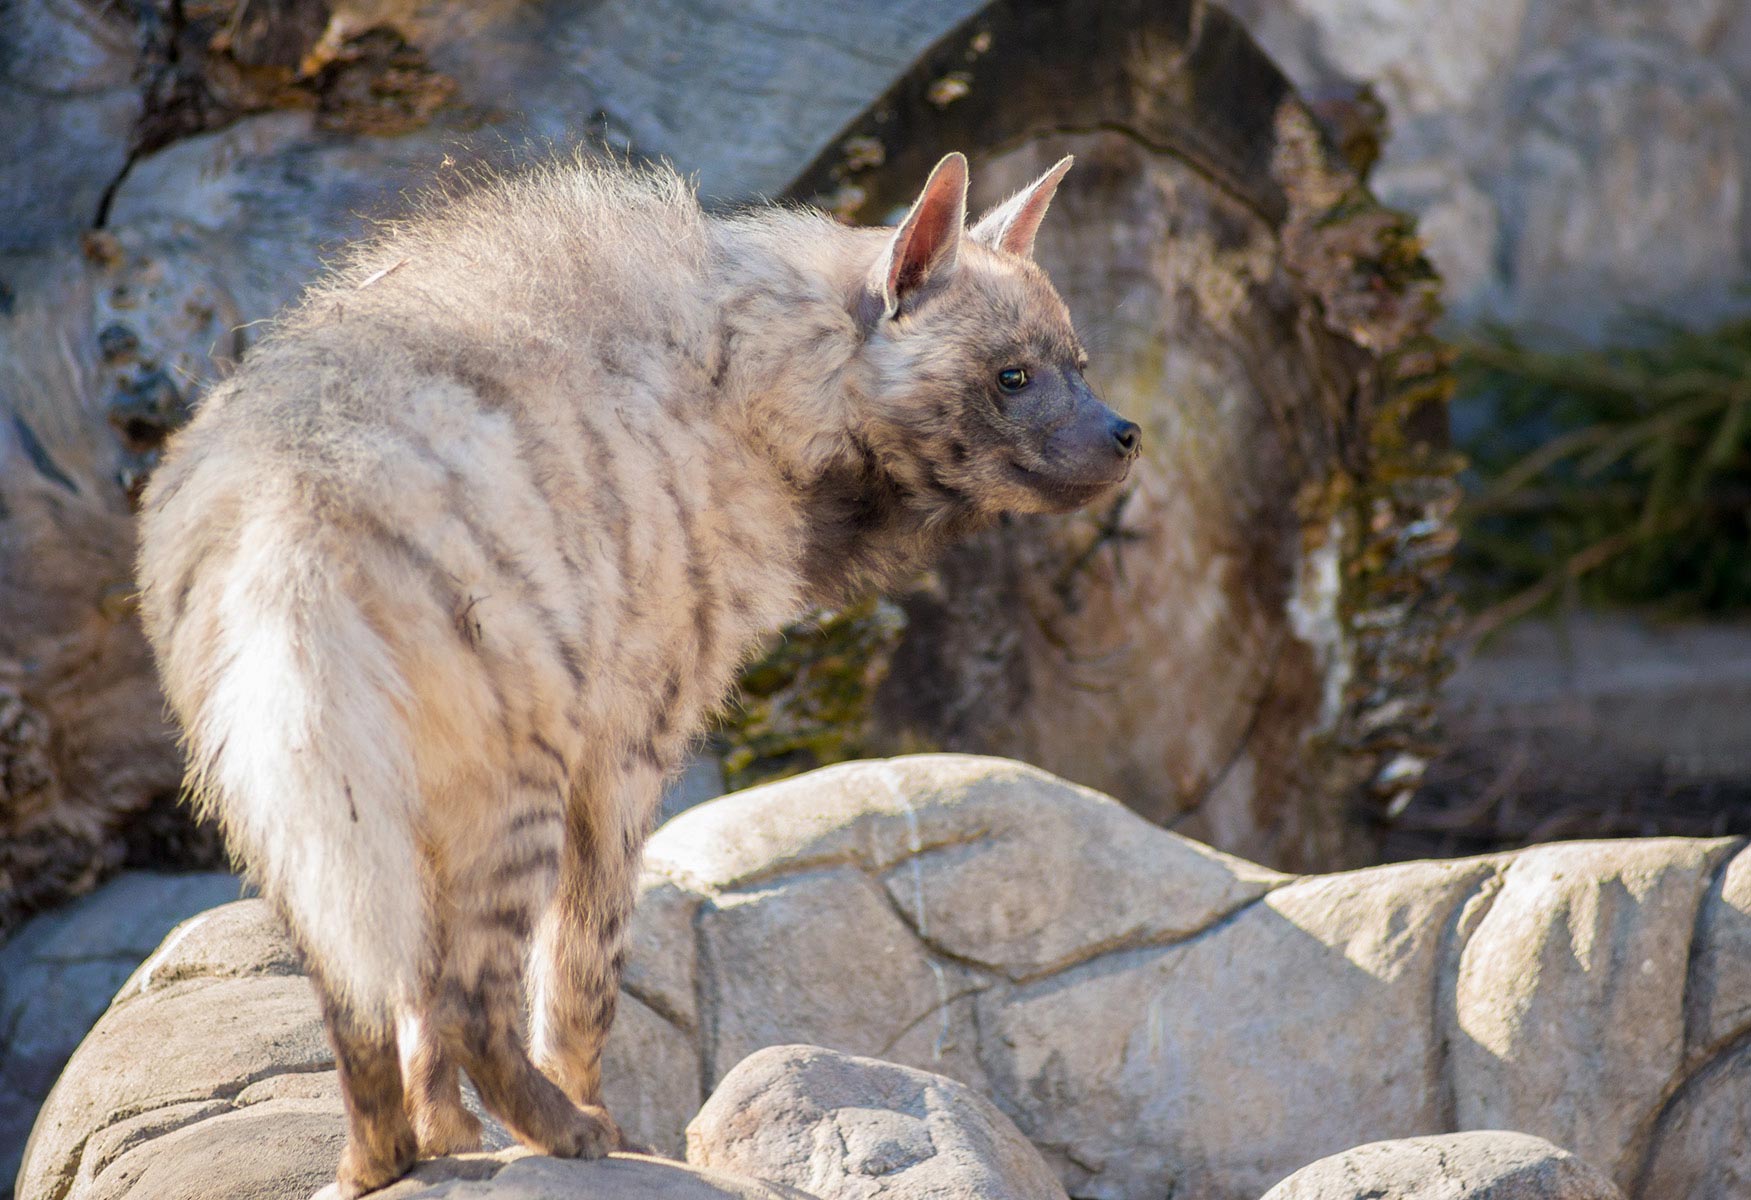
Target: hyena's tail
x=296, y=715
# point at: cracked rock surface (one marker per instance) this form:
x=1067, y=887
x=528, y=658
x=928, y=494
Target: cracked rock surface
x=1154, y=1016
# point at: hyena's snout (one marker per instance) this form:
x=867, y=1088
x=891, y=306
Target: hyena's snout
x=1125, y=437
x=1097, y=445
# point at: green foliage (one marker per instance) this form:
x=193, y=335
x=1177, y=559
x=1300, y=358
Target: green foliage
x=1612, y=476
x=806, y=702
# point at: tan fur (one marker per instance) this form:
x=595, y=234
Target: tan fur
x=445, y=579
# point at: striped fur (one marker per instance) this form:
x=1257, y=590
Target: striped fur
x=445, y=579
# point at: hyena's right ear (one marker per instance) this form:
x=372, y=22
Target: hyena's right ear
x=1011, y=225
x=928, y=242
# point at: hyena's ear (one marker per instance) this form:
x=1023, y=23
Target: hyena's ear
x=928, y=241
x=1011, y=225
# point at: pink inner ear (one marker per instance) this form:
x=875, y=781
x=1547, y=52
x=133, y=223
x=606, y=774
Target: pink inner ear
x=1012, y=225
x=928, y=242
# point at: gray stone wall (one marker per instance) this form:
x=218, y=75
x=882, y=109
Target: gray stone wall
x=1569, y=160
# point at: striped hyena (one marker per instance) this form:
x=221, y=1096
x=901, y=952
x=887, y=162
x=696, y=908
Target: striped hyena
x=444, y=579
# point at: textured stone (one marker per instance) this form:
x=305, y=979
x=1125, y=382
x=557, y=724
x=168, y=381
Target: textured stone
x=67, y=88
x=650, y=1076
x=1425, y=55
x=1189, y=1070
x=281, y=1150
x=1700, y=1144
x=848, y=1128
x=859, y=1002
x=1568, y=160
x=1487, y=1165
x=962, y=826
x=1207, y=1053
x=650, y=1068
x=194, y=1042
x=58, y=972
x=660, y=953
x=1569, y=1003
x=233, y=941
x=1627, y=177
x=1719, y=991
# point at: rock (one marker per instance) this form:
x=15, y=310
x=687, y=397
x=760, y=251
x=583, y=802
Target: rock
x=1425, y=56
x=1153, y=1016
x=1188, y=1069
x=1581, y=959
x=1189, y=649
x=1586, y=151
x=270, y=1151
x=1697, y=1145
x=1718, y=1000
x=945, y=833
x=858, y=1001
x=848, y=1128
x=1626, y=178
x=1484, y=1165
x=58, y=972
x=67, y=87
x=650, y=1075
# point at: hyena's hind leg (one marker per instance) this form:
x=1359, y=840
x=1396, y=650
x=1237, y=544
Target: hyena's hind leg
x=430, y=1077
x=381, y=1146
x=580, y=946
x=495, y=888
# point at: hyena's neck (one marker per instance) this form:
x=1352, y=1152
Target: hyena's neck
x=792, y=312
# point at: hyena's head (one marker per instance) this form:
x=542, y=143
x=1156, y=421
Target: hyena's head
x=976, y=375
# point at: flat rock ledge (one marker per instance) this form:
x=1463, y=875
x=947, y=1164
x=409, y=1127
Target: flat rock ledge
x=1153, y=1016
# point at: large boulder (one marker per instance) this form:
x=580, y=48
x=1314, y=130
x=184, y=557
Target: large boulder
x=849, y=1128
x=1154, y=1016
x=1485, y=1165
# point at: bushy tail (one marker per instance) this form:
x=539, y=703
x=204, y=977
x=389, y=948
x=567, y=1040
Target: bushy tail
x=299, y=742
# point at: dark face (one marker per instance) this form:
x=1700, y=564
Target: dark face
x=992, y=406
x=1064, y=445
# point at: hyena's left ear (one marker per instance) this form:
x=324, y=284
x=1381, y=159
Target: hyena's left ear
x=1011, y=225
x=928, y=242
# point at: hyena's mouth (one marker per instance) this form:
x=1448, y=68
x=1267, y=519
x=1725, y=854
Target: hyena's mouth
x=1067, y=491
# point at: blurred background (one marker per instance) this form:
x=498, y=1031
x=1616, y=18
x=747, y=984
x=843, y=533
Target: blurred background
x=1435, y=315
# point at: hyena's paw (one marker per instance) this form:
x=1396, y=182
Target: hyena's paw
x=363, y=1170
x=586, y=1132
x=445, y=1129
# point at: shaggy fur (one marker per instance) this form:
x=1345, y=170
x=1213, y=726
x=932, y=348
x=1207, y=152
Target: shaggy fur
x=445, y=579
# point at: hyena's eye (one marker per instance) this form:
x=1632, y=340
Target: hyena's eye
x=1012, y=379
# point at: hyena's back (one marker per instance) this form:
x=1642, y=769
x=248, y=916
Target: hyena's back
x=404, y=585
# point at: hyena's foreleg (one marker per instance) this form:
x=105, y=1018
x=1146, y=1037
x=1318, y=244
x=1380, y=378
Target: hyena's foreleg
x=495, y=886
x=580, y=945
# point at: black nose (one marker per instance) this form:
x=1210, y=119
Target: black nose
x=1126, y=437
